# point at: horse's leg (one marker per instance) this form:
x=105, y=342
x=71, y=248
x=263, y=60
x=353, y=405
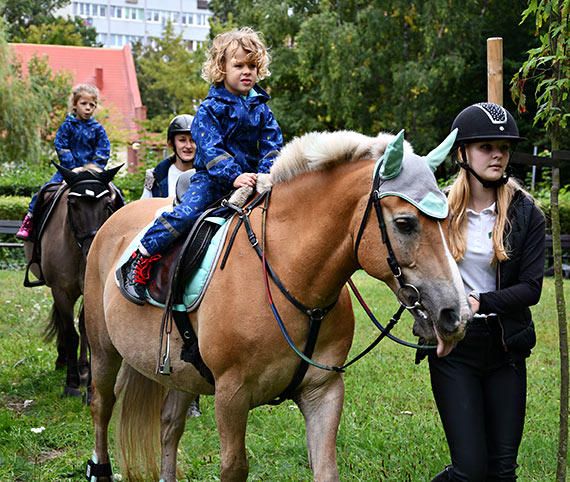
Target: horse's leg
x=63, y=322
x=173, y=420
x=61, y=360
x=83, y=350
x=105, y=366
x=321, y=407
x=232, y=408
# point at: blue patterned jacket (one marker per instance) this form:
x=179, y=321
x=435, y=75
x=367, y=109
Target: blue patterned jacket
x=79, y=142
x=235, y=134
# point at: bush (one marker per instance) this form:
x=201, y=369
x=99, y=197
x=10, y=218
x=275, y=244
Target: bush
x=543, y=198
x=13, y=207
x=19, y=179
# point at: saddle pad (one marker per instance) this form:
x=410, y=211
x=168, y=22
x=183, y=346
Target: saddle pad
x=198, y=281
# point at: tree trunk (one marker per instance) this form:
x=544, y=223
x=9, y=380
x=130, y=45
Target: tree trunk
x=562, y=327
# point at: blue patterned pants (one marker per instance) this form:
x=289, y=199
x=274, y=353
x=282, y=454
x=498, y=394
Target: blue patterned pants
x=201, y=193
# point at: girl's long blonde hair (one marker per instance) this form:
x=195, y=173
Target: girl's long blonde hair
x=458, y=200
x=224, y=47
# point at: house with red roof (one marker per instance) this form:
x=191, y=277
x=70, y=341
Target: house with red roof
x=112, y=71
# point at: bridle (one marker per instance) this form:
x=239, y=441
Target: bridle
x=81, y=238
x=374, y=200
x=316, y=315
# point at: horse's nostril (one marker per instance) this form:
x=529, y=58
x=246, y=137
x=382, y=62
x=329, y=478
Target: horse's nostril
x=448, y=319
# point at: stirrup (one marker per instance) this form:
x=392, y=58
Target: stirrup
x=98, y=470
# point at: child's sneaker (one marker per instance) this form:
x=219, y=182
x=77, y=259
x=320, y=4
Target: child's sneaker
x=133, y=276
x=25, y=231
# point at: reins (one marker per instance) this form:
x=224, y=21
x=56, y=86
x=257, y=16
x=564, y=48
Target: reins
x=316, y=315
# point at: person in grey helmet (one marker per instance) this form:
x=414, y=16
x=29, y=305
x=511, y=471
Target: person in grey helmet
x=497, y=236
x=161, y=181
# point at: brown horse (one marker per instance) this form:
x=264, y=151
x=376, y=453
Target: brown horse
x=83, y=203
x=318, y=233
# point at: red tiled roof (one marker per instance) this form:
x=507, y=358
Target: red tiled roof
x=111, y=70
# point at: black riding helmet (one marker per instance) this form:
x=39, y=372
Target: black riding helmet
x=481, y=122
x=179, y=125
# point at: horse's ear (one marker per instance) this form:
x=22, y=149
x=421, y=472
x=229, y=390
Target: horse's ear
x=393, y=156
x=437, y=156
x=68, y=175
x=108, y=175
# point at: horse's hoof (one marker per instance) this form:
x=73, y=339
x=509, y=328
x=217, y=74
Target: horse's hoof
x=71, y=392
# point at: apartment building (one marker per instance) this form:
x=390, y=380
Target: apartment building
x=122, y=22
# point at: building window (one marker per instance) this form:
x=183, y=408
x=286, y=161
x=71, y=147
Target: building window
x=203, y=4
x=102, y=11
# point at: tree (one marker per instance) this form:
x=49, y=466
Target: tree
x=59, y=31
x=378, y=65
x=31, y=106
x=32, y=21
x=549, y=66
x=169, y=78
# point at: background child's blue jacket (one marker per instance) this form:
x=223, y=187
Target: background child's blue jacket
x=80, y=142
x=235, y=134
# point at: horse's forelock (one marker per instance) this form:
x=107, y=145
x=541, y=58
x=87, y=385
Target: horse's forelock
x=322, y=150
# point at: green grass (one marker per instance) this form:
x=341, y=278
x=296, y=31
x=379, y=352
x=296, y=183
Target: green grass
x=390, y=429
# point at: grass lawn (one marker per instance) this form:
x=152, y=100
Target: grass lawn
x=390, y=429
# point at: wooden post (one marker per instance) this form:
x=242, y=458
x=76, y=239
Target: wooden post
x=495, y=70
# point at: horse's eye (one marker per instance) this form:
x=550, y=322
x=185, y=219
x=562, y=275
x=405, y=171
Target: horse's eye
x=405, y=225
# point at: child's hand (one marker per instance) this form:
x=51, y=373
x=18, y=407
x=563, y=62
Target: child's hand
x=245, y=179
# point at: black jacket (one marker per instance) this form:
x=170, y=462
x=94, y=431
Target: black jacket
x=519, y=279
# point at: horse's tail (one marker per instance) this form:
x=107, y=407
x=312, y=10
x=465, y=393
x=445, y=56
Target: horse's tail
x=54, y=328
x=138, y=426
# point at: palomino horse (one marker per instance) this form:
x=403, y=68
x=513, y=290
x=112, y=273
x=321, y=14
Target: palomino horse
x=319, y=230
x=83, y=203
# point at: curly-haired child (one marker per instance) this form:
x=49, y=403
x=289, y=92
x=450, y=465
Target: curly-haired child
x=236, y=137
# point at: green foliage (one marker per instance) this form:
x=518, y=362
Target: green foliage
x=379, y=66
x=59, y=31
x=548, y=66
x=13, y=207
x=390, y=429
x=543, y=197
x=169, y=77
x=18, y=179
x=30, y=106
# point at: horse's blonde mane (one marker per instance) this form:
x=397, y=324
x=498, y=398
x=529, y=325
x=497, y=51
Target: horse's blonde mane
x=321, y=150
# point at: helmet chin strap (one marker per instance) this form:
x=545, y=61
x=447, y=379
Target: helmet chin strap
x=486, y=184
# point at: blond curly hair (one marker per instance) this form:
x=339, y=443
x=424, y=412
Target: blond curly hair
x=79, y=90
x=224, y=47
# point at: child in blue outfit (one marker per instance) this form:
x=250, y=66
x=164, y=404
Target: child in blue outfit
x=236, y=137
x=80, y=140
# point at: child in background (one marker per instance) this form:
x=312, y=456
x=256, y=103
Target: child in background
x=80, y=140
x=236, y=137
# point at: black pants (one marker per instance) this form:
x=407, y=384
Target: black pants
x=481, y=399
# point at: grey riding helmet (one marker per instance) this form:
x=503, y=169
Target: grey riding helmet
x=179, y=125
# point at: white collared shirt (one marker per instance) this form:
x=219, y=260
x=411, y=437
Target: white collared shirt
x=475, y=267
